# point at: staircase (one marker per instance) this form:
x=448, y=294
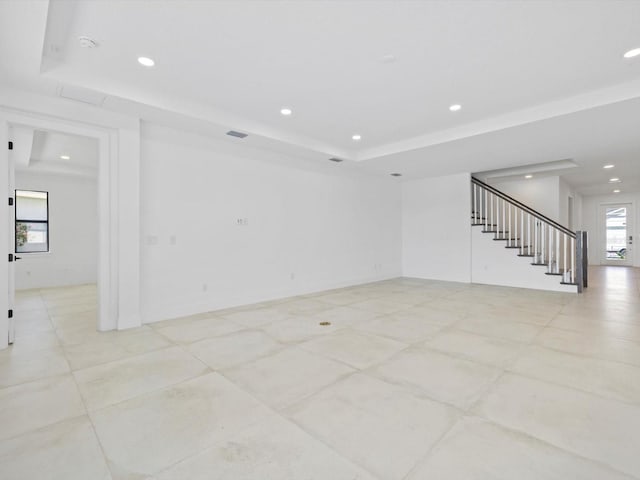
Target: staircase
x=551, y=248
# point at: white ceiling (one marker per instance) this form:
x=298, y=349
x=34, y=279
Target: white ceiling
x=48, y=147
x=539, y=81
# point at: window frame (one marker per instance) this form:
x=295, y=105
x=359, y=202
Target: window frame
x=22, y=220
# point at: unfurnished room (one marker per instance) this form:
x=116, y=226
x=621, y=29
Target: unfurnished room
x=320, y=240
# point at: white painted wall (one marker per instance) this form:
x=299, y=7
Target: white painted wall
x=593, y=223
x=307, y=230
x=436, y=223
x=492, y=264
x=541, y=194
x=73, y=233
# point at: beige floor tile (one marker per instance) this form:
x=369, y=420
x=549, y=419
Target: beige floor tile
x=271, y=449
x=341, y=298
x=84, y=307
x=255, y=317
x=476, y=449
x=147, y=434
x=604, y=328
x=25, y=326
x=36, y=404
x=35, y=342
x=302, y=306
x=357, y=349
x=19, y=367
x=600, y=429
x=399, y=327
x=344, y=316
x=298, y=329
x=479, y=348
x=192, y=330
x=382, y=427
x=429, y=314
x=603, y=377
x=499, y=328
x=67, y=450
x=287, y=376
x=590, y=344
x=234, y=349
x=114, y=382
x=442, y=377
x=75, y=320
x=379, y=307
x=109, y=346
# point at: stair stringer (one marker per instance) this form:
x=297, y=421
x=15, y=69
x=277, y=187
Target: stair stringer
x=492, y=264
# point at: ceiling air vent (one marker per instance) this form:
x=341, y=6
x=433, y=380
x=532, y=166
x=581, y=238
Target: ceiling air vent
x=334, y=159
x=395, y=174
x=233, y=133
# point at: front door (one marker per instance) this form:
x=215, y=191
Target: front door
x=617, y=246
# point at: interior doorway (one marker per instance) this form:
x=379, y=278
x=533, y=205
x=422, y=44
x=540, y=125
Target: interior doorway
x=616, y=234
x=55, y=273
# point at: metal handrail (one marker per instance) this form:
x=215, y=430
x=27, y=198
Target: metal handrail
x=524, y=207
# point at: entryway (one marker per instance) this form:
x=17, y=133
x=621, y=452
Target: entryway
x=616, y=234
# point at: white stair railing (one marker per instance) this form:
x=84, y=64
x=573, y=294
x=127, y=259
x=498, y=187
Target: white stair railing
x=548, y=243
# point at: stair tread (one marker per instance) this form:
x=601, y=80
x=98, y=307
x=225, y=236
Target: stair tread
x=526, y=255
x=550, y=273
x=540, y=264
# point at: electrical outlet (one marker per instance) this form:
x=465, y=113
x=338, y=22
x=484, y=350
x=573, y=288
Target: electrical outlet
x=205, y=287
x=172, y=240
x=242, y=222
x=293, y=276
x=152, y=240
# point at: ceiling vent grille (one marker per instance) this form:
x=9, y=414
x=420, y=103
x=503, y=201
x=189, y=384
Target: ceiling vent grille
x=334, y=159
x=233, y=133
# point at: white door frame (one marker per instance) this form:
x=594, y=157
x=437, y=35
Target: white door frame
x=602, y=232
x=109, y=256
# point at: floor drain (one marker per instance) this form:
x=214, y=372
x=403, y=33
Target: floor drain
x=324, y=324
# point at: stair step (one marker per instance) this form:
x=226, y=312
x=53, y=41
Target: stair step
x=540, y=264
x=526, y=255
x=502, y=238
x=517, y=246
x=549, y=273
x=568, y=283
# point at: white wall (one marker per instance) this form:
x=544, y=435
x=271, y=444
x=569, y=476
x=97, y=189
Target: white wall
x=307, y=230
x=593, y=223
x=542, y=194
x=73, y=233
x=436, y=223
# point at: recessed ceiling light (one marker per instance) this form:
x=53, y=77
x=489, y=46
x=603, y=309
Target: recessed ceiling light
x=65, y=157
x=286, y=111
x=528, y=176
x=455, y=107
x=614, y=180
x=608, y=166
x=395, y=174
x=356, y=137
x=146, y=61
x=388, y=59
x=616, y=191
x=632, y=53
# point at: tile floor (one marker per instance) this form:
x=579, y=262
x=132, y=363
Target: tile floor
x=412, y=380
